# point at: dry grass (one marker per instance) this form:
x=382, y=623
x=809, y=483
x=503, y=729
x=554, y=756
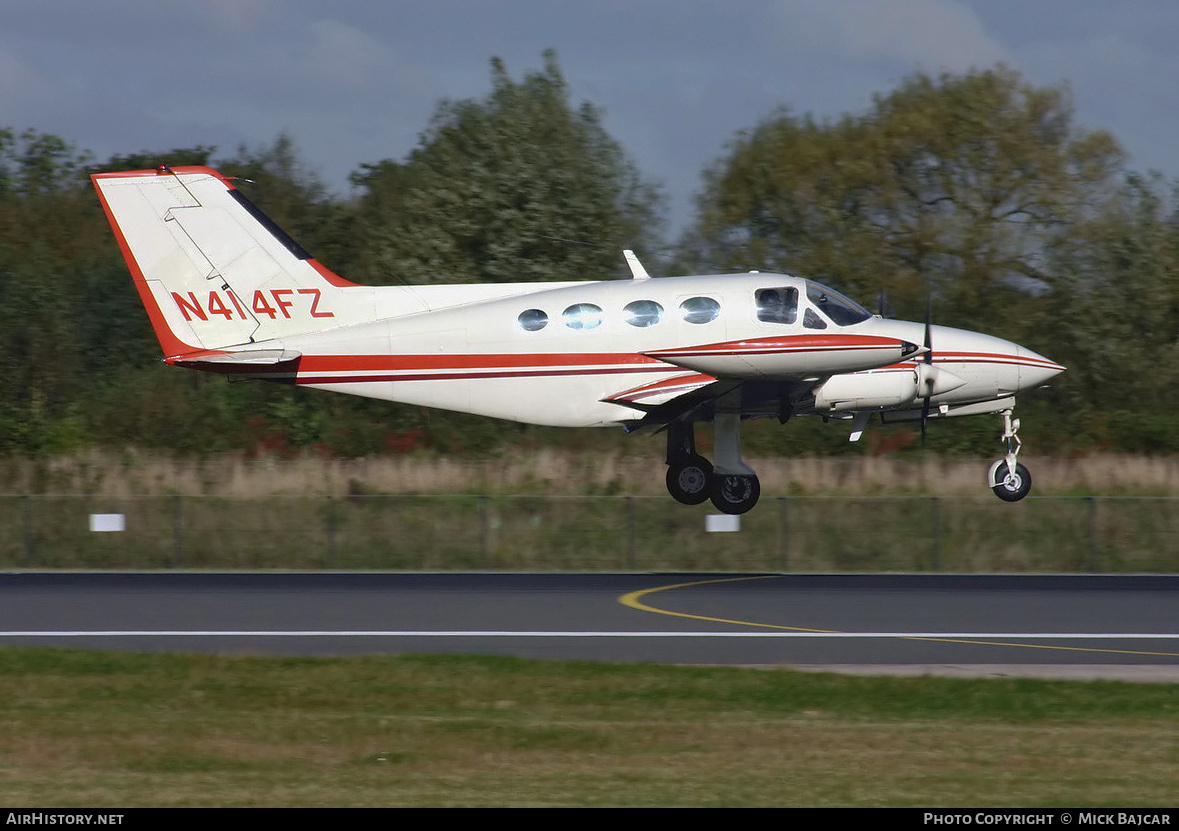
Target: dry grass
x=557, y=471
x=562, y=510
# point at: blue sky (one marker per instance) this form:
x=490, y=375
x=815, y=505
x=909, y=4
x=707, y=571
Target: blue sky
x=356, y=81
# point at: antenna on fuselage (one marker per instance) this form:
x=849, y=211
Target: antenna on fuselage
x=636, y=267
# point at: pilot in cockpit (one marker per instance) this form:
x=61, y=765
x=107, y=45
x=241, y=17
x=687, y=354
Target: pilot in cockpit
x=777, y=305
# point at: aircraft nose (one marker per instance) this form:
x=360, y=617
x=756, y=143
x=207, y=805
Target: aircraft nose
x=1035, y=369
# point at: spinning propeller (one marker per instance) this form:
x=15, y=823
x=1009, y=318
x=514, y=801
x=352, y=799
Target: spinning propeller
x=925, y=380
x=932, y=380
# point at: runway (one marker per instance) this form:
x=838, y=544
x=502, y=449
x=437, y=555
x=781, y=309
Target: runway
x=1050, y=626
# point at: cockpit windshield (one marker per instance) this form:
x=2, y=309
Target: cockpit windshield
x=842, y=310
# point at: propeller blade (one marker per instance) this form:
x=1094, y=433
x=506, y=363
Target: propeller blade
x=928, y=329
x=927, y=380
x=924, y=420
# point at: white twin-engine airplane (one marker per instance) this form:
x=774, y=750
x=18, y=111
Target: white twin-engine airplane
x=228, y=291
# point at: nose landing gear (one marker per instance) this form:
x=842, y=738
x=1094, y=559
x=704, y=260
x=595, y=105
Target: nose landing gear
x=1010, y=480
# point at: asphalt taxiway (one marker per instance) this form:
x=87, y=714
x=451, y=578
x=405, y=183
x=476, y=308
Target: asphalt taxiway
x=1085, y=626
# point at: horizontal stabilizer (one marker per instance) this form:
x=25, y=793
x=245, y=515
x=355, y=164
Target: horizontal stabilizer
x=266, y=362
x=263, y=357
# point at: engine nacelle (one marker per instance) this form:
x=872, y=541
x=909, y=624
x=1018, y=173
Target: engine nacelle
x=880, y=390
x=867, y=391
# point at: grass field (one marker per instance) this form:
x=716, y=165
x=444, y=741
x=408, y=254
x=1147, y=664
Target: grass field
x=565, y=510
x=448, y=532
x=637, y=471
x=93, y=730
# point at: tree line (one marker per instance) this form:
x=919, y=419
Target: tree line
x=976, y=195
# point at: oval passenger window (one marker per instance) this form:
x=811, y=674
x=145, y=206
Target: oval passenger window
x=532, y=320
x=642, y=313
x=700, y=309
x=582, y=316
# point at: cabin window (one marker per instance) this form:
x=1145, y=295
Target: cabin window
x=582, y=316
x=777, y=305
x=700, y=309
x=642, y=313
x=532, y=320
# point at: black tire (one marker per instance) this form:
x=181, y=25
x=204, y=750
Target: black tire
x=1010, y=487
x=733, y=493
x=688, y=480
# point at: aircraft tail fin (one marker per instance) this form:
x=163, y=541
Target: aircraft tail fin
x=212, y=270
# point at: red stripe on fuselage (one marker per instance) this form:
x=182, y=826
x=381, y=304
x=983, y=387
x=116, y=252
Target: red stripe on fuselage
x=1003, y=358
x=378, y=363
x=783, y=344
x=353, y=369
x=468, y=376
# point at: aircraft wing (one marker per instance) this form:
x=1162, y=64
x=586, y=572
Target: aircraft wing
x=649, y=397
x=773, y=374
x=692, y=396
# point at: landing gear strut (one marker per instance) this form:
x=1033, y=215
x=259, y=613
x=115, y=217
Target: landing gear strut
x=688, y=473
x=734, y=488
x=730, y=483
x=1010, y=480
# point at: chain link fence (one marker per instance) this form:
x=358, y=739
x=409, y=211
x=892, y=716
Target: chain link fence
x=598, y=533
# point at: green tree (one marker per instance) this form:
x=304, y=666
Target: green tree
x=147, y=159
x=276, y=178
x=1115, y=323
x=960, y=187
x=38, y=164
x=516, y=186
x=46, y=239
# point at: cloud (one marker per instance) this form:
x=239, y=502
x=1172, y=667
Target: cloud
x=237, y=16
x=20, y=84
x=934, y=35
x=344, y=55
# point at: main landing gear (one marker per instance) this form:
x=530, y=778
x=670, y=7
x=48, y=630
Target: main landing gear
x=691, y=479
x=733, y=486
x=1010, y=480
